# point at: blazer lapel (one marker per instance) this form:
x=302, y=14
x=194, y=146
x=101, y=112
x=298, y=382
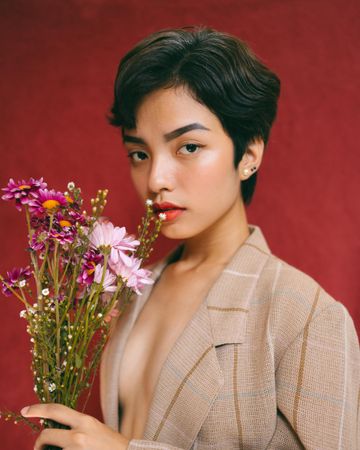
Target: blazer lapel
x=191, y=374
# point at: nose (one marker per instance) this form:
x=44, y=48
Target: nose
x=161, y=175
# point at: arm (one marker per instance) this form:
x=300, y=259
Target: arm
x=317, y=382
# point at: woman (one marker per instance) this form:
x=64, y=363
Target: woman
x=231, y=347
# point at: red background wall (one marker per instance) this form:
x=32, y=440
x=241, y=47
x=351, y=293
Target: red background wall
x=58, y=61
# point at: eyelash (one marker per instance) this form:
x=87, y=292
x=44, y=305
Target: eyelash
x=130, y=155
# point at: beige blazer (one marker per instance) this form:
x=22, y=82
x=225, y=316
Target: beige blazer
x=268, y=361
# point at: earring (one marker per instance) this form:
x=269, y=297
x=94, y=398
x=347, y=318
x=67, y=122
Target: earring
x=246, y=171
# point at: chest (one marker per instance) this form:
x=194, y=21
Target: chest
x=170, y=306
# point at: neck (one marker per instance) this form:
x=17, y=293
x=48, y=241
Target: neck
x=217, y=244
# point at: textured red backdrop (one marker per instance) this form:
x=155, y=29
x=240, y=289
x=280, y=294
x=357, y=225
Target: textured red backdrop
x=58, y=61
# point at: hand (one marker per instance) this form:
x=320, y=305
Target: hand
x=86, y=431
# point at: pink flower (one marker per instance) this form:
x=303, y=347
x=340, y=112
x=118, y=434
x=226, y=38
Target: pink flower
x=14, y=277
x=46, y=201
x=134, y=277
x=109, y=280
x=22, y=190
x=105, y=234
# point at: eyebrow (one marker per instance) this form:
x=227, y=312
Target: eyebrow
x=167, y=136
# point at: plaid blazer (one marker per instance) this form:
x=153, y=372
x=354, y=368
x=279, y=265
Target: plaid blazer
x=268, y=361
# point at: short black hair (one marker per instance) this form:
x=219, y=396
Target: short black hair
x=218, y=69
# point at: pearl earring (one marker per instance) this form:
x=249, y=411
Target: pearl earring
x=246, y=171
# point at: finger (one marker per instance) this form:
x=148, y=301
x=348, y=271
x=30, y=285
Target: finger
x=55, y=411
x=53, y=436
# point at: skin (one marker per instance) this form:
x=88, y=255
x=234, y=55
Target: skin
x=194, y=170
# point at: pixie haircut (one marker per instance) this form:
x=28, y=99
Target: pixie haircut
x=218, y=70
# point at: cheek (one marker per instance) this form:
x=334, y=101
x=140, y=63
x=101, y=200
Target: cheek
x=214, y=179
x=139, y=182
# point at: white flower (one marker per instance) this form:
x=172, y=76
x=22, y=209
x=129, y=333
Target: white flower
x=23, y=313
x=162, y=216
x=52, y=387
x=149, y=202
x=71, y=185
x=45, y=291
x=35, y=389
x=22, y=283
x=100, y=315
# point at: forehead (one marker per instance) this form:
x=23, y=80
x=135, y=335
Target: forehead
x=171, y=112
x=172, y=108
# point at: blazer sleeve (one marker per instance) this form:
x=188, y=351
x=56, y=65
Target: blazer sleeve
x=317, y=382
x=142, y=444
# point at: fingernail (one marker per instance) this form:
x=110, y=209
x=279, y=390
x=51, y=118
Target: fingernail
x=24, y=410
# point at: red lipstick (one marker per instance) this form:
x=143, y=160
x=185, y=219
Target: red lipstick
x=171, y=210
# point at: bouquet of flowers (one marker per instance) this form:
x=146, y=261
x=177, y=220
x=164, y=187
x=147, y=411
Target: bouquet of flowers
x=84, y=272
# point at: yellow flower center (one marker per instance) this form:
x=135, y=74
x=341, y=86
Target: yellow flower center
x=50, y=204
x=24, y=186
x=69, y=199
x=65, y=223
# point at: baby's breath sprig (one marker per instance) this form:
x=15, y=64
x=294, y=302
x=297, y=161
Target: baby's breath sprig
x=18, y=418
x=147, y=235
x=98, y=203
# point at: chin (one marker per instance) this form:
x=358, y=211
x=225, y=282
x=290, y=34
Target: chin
x=176, y=231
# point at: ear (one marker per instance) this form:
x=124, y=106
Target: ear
x=251, y=159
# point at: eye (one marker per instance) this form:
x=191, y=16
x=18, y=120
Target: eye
x=131, y=156
x=191, y=147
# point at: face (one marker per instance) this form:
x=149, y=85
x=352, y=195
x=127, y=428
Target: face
x=193, y=169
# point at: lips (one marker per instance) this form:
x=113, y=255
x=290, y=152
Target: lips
x=166, y=206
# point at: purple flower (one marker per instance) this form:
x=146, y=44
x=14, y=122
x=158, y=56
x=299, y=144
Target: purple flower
x=77, y=217
x=14, y=278
x=61, y=221
x=22, y=191
x=62, y=236
x=39, y=222
x=39, y=239
x=46, y=201
x=91, y=258
x=130, y=271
